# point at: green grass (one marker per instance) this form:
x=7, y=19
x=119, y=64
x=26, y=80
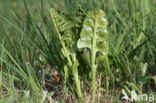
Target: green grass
x=30, y=47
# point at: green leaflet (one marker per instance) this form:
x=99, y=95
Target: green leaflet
x=94, y=28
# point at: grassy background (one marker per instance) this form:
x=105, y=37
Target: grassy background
x=27, y=46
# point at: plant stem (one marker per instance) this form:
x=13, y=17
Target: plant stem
x=107, y=79
x=77, y=82
x=93, y=65
x=76, y=76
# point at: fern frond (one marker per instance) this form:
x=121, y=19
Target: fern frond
x=62, y=25
x=59, y=27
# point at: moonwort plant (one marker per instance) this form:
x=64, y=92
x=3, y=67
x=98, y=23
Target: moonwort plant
x=93, y=36
x=63, y=28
